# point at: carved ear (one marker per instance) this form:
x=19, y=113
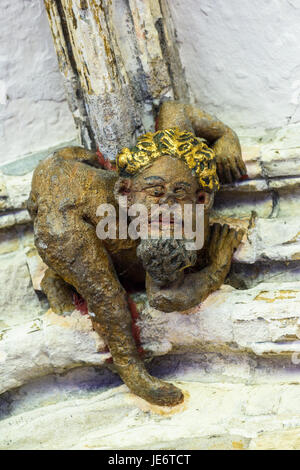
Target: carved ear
x=123, y=188
x=205, y=198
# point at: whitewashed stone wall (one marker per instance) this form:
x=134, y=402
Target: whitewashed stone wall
x=242, y=58
x=34, y=114
x=241, y=63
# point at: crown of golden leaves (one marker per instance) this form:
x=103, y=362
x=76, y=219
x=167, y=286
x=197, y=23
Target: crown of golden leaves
x=180, y=144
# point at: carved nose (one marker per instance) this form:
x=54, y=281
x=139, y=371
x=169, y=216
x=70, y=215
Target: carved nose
x=168, y=199
x=171, y=201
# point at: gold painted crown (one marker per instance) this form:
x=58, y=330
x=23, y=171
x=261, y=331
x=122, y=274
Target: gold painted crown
x=180, y=144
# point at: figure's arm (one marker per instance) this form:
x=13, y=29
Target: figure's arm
x=220, y=137
x=194, y=288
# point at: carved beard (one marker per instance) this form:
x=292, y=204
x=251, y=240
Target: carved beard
x=164, y=259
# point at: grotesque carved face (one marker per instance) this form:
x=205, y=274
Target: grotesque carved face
x=167, y=180
x=168, y=172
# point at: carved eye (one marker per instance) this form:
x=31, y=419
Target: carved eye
x=156, y=191
x=180, y=192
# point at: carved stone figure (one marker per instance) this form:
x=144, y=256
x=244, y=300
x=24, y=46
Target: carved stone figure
x=172, y=165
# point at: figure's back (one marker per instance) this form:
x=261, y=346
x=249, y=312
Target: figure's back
x=71, y=178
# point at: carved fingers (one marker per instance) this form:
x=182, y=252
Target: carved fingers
x=223, y=242
x=235, y=237
x=230, y=165
x=230, y=168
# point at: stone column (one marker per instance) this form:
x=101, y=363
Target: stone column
x=119, y=61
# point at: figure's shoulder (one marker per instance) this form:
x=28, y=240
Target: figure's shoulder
x=76, y=167
x=67, y=155
x=77, y=154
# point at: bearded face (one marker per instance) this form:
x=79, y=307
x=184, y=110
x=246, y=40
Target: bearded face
x=164, y=259
x=167, y=183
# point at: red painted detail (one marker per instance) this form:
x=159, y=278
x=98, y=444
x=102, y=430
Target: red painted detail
x=156, y=124
x=141, y=351
x=132, y=307
x=104, y=162
x=80, y=303
x=136, y=332
x=244, y=177
x=135, y=329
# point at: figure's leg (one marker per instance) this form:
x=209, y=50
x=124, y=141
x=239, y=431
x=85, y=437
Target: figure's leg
x=78, y=256
x=58, y=292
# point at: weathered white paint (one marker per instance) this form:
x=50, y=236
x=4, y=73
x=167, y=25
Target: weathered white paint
x=215, y=416
x=242, y=59
x=261, y=321
x=34, y=114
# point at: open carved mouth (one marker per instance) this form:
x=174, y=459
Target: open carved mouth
x=169, y=220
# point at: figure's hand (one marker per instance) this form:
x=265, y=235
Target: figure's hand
x=230, y=165
x=223, y=242
x=168, y=298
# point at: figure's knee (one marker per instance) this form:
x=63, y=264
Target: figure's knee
x=67, y=245
x=52, y=236
x=71, y=248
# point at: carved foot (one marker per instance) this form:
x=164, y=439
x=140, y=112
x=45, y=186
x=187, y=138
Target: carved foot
x=58, y=292
x=149, y=388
